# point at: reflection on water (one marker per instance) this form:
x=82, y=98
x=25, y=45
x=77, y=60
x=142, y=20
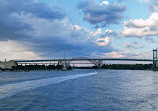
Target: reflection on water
x=110, y=90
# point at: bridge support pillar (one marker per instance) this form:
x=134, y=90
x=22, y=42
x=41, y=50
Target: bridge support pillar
x=155, y=58
x=156, y=64
x=64, y=65
x=99, y=63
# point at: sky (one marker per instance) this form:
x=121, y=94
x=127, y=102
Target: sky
x=105, y=28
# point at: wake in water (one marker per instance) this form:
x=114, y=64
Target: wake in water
x=12, y=89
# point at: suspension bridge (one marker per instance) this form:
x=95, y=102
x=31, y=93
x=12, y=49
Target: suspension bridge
x=67, y=57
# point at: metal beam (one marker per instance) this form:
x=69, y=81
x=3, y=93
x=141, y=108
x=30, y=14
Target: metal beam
x=87, y=59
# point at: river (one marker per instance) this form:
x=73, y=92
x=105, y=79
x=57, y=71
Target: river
x=79, y=90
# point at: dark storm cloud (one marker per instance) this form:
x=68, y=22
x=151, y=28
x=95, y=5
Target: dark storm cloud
x=102, y=14
x=86, y=48
x=70, y=39
x=38, y=9
x=12, y=27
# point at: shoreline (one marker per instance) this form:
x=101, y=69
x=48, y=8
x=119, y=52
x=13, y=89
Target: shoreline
x=73, y=69
x=60, y=67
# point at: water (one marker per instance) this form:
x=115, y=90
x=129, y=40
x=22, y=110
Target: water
x=79, y=90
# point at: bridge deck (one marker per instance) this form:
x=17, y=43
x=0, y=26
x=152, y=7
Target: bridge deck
x=87, y=59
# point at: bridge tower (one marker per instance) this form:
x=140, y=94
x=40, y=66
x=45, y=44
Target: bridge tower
x=154, y=57
x=64, y=65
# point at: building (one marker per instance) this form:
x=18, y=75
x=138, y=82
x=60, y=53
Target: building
x=8, y=65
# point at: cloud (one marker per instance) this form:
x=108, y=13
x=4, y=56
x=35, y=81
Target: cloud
x=102, y=14
x=111, y=33
x=12, y=27
x=59, y=34
x=38, y=9
x=140, y=27
x=154, y=6
x=103, y=41
x=144, y=0
x=39, y=29
x=14, y=50
x=104, y=38
x=121, y=54
x=76, y=27
x=97, y=32
x=105, y=2
x=116, y=54
x=132, y=45
x=150, y=40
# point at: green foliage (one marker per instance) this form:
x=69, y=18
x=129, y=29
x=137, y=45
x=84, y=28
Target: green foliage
x=128, y=66
x=122, y=66
x=38, y=67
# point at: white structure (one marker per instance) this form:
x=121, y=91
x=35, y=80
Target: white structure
x=8, y=65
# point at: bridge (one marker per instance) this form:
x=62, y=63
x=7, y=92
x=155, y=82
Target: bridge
x=67, y=57
x=86, y=59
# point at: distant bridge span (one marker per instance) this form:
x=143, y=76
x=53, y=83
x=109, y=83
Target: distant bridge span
x=86, y=59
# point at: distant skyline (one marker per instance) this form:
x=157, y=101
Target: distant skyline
x=115, y=28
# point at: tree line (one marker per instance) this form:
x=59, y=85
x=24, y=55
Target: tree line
x=39, y=67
